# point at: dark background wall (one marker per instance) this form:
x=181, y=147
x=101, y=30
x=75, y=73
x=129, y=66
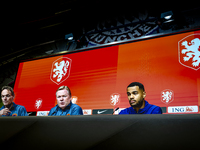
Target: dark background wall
x=36, y=28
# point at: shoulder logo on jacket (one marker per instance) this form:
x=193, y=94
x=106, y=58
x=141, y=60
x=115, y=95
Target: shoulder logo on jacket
x=14, y=114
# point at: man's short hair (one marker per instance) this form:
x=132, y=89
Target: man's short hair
x=64, y=87
x=9, y=89
x=140, y=85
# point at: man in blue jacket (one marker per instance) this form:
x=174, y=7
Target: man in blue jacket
x=10, y=108
x=136, y=96
x=64, y=105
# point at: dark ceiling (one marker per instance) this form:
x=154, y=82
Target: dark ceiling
x=27, y=23
x=31, y=28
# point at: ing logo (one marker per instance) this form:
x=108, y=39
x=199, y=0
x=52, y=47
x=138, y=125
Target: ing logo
x=60, y=70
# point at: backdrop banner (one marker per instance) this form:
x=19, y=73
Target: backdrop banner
x=169, y=68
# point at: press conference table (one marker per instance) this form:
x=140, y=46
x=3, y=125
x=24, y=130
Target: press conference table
x=101, y=132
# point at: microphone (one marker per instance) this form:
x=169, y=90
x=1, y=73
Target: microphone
x=115, y=110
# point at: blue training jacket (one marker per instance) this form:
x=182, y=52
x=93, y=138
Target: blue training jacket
x=16, y=110
x=148, y=109
x=71, y=109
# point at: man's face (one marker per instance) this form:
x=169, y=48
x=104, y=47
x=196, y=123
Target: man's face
x=135, y=96
x=63, y=98
x=7, y=97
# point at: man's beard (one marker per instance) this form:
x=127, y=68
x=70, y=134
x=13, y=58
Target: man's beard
x=138, y=105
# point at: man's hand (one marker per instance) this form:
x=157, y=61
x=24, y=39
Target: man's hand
x=4, y=111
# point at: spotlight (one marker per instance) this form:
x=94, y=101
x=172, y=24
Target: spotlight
x=167, y=16
x=69, y=36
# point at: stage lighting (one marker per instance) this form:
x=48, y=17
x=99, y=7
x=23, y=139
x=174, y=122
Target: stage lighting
x=69, y=36
x=167, y=16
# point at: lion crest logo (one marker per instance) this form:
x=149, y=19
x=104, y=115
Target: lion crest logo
x=167, y=96
x=38, y=103
x=60, y=70
x=189, y=51
x=114, y=99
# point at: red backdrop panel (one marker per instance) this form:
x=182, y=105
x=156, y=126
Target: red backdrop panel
x=155, y=63
x=92, y=79
x=94, y=75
